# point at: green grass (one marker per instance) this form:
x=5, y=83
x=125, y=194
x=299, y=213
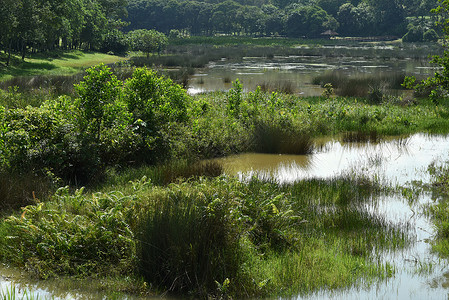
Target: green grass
x=12, y=293
x=210, y=237
x=54, y=63
x=439, y=209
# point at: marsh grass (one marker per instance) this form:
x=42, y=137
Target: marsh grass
x=361, y=137
x=170, y=172
x=44, y=84
x=271, y=138
x=285, y=87
x=18, y=190
x=371, y=86
x=439, y=210
x=282, y=231
x=182, y=170
x=12, y=293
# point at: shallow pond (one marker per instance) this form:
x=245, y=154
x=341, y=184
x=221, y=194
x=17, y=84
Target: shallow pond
x=400, y=161
x=297, y=72
x=419, y=273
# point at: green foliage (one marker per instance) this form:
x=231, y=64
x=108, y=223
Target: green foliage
x=156, y=100
x=235, y=98
x=436, y=87
x=147, y=41
x=74, y=234
x=430, y=36
x=439, y=210
x=99, y=89
x=111, y=122
x=414, y=34
x=328, y=90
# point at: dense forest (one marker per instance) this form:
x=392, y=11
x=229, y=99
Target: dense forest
x=293, y=18
x=121, y=25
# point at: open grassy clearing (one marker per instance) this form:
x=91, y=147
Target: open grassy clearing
x=55, y=63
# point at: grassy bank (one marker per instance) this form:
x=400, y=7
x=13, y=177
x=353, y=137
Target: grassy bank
x=438, y=210
x=209, y=237
x=55, y=63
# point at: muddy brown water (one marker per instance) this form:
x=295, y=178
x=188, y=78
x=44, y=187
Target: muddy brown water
x=419, y=273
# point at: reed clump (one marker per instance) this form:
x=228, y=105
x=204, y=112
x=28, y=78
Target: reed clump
x=271, y=138
x=182, y=170
x=19, y=190
x=371, y=86
x=285, y=87
x=361, y=137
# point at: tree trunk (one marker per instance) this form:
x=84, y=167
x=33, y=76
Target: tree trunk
x=24, y=48
x=9, y=53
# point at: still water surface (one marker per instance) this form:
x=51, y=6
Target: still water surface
x=298, y=71
x=397, y=161
x=400, y=162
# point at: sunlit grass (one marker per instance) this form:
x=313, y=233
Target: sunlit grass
x=56, y=63
x=253, y=238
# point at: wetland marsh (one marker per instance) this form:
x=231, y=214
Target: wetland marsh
x=308, y=197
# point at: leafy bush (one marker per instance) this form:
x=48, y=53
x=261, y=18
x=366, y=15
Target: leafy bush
x=72, y=235
x=110, y=123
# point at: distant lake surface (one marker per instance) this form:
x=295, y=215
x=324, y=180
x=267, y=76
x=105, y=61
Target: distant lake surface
x=299, y=71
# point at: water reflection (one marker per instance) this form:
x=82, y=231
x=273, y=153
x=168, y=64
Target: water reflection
x=420, y=274
x=299, y=70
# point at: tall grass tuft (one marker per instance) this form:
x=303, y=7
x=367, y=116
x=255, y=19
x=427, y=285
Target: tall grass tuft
x=271, y=138
x=190, y=242
x=18, y=190
x=361, y=137
x=284, y=87
x=12, y=294
x=178, y=170
x=360, y=86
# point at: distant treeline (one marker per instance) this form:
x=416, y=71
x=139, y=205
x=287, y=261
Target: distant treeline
x=292, y=18
x=41, y=25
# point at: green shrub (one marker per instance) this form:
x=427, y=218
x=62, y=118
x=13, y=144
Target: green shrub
x=235, y=99
x=73, y=235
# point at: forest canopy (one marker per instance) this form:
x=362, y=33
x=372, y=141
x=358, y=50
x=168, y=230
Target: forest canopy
x=300, y=18
x=116, y=25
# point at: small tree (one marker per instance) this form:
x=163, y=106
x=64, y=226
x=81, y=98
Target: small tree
x=147, y=41
x=98, y=88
